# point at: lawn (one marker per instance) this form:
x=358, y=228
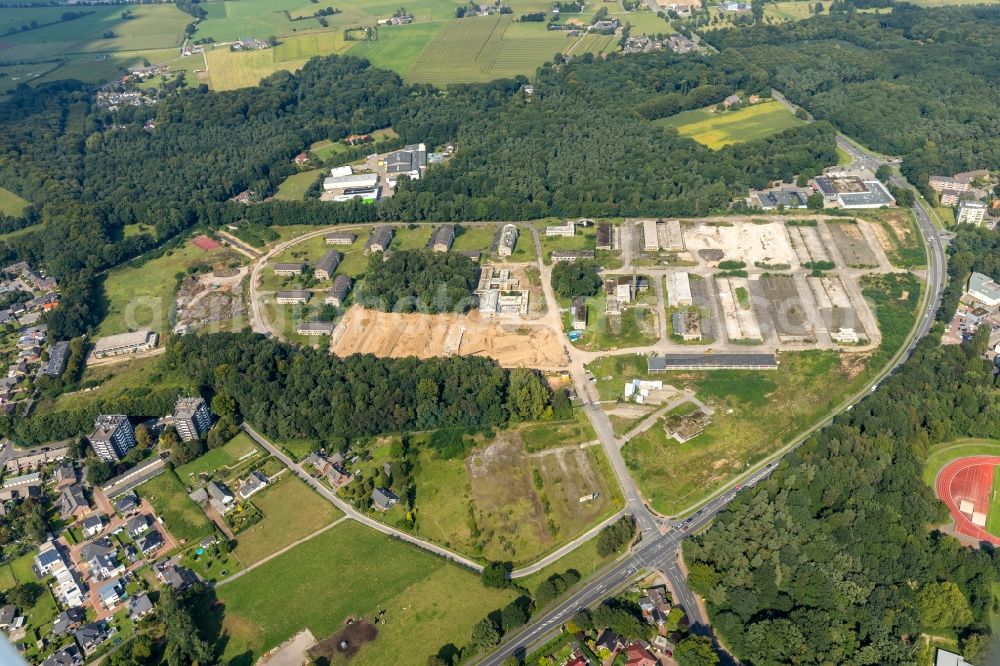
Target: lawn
x=294, y=187
x=11, y=204
x=715, y=130
x=993, y=513
x=181, y=516
x=501, y=504
x=351, y=570
x=235, y=453
x=291, y=511
x=547, y=434
x=7, y=579
x=414, y=237
x=585, y=238
x=141, y=296
x=474, y=239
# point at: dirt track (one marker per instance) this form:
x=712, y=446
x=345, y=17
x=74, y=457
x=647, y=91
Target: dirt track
x=423, y=336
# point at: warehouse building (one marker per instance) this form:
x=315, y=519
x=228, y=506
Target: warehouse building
x=125, y=343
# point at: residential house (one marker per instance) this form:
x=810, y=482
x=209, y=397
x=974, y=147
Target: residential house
x=327, y=265
x=90, y=636
x=338, y=292
x=137, y=525
x=139, y=607
x=67, y=656
x=442, y=238
x=73, y=502
x=731, y=101
x=26, y=485
x=638, y=654
x=219, y=496
x=179, y=578
x=654, y=606
x=970, y=212
x=288, y=269
x=105, y=566
x=380, y=239
x=127, y=504
x=149, y=542
x=49, y=557
x=383, y=499
x=8, y=614
x=92, y=526
x=942, y=183
x=949, y=197
x=102, y=546
x=112, y=593
x=66, y=588
x=255, y=482
x=67, y=621
x=64, y=475
x=301, y=159
x=610, y=641
x=58, y=356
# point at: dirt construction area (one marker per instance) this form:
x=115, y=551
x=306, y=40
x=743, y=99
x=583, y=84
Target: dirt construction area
x=345, y=643
x=398, y=335
x=743, y=241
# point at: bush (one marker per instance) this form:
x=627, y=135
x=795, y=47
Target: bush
x=576, y=278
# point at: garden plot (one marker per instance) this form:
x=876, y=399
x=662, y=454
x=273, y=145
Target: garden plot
x=808, y=245
x=780, y=308
x=852, y=245
x=743, y=241
x=737, y=312
x=834, y=305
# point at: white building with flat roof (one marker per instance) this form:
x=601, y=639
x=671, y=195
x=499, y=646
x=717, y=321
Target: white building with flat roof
x=945, y=658
x=984, y=289
x=970, y=212
x=568, y=229
x=341, y=171
x=125, y=343
x=365, y=181
x=679, y=289
x=650, y=239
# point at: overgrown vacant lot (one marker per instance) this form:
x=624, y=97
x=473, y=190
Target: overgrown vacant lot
x=141, y=296
x=11, y=204
x=291, y=511
x=715, y=129
x=350, y=570
x=503, y=504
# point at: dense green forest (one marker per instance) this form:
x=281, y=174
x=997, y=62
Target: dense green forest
x=921, y=84
x=419, y=281
x=832, y=559
x=292, y=393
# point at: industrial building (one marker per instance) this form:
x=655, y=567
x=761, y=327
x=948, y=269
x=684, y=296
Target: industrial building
x=579, y=314
x=851, y=192
x=571, y=255
x=650, y=239
x=125, y=343
x=356, y=180
x=568, y=229
x=113, y=436
x=670, y=362
x=679, y=289
x=984, y=289
x=410, y=162
x=604, y=236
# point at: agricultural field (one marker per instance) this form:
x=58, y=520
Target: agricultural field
x=181, y=516
x=141, y=296
x=504, y=504
x=715, y=129
x=11, y=204
x=397, y=47
x=291, y=511
x=311, y=586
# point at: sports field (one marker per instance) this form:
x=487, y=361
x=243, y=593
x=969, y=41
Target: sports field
x=317, y=585
x=11, y=204
x=715, y=130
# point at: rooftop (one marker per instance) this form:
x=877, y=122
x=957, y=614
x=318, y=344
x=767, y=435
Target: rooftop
x=133, y=339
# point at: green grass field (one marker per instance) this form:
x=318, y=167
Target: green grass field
x=141, y=296
x=120, y=380
x=351, y=570
x=291, y=511
x=235, y=453
x=181, y=516
x=940, y=455
x=294, y=187
x=397, y=47
x=716, y=130
x=11, y=204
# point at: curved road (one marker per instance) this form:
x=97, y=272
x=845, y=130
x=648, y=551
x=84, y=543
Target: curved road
x=659, y=546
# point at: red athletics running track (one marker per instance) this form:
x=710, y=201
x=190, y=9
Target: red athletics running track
x=968, y=479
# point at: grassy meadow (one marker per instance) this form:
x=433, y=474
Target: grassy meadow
x=181, y=516
x=11, y=204
x=715, y=130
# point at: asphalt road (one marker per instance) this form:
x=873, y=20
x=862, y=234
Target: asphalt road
x=659, y=547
